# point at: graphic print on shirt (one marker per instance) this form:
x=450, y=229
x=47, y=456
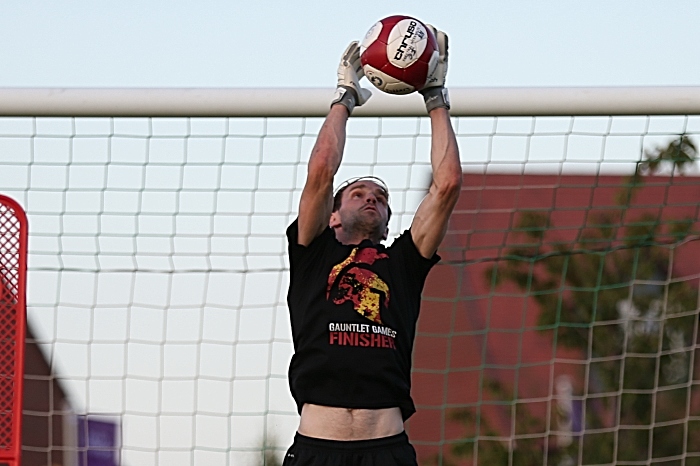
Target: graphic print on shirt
x=353, y=281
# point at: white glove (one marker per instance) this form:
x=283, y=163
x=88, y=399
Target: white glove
x=434, y=91
x=349, y=92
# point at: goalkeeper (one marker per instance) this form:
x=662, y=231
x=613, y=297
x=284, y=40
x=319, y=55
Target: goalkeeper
x=353, y=302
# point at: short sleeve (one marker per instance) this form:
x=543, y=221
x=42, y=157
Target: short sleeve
x=416, y=267
x=299, y=254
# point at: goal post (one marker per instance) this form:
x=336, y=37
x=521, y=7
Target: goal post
x=13, y=268
x=313, y=102
x=158, y=272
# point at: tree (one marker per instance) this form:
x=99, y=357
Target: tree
x=610, y=295
x=269, y=457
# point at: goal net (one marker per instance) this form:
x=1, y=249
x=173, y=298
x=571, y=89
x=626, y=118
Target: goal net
x=561, y=326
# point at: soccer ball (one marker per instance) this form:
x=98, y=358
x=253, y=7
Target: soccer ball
x=398, y=54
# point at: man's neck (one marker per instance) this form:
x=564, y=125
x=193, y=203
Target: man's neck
x=348, y=238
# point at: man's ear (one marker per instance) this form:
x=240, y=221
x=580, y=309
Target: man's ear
x=334, y=222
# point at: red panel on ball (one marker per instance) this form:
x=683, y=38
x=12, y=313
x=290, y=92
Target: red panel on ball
x=377, y=53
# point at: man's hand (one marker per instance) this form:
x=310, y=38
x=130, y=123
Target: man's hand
x=434, y=91
x=349, y=92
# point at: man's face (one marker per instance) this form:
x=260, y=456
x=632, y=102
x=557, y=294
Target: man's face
x=365, y=206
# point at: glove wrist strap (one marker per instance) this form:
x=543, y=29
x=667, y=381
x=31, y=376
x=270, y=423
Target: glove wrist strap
x=436, y=97
x=346, y=96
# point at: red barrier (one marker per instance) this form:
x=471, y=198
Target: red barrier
x=13, y=278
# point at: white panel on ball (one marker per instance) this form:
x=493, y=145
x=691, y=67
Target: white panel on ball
x=386, y=83
x=406, y=43
x=398, y=88
x=371, y=36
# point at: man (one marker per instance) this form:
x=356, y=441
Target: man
x=353, y=302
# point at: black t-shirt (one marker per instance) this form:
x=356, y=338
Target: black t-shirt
x=353, y=313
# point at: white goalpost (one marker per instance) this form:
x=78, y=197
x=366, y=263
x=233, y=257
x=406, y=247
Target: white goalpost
x=157, y=271
x=313, y=102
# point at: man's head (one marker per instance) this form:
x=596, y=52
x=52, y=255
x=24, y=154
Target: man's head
x=361, y=207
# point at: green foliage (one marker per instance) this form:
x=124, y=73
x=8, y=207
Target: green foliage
x=678, y=154
x=269, y=456
x=271, y=459
x=608, y=295
x=526, y=449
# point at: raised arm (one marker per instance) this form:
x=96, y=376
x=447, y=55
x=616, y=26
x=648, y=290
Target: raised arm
x=316, y=201
x=430, y=222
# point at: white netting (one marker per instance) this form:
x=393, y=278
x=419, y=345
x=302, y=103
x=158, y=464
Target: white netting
x=158, y=268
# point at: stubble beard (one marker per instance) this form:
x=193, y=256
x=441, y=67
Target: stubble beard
x=361, y=224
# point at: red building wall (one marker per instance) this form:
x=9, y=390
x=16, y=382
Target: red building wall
x=470, y=331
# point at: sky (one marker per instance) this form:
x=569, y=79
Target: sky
x=265, y=43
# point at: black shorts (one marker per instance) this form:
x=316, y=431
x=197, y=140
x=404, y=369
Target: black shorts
x=386, y=451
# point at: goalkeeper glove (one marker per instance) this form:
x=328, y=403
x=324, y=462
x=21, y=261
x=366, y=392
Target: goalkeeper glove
x=349, y=92
x=434, y=92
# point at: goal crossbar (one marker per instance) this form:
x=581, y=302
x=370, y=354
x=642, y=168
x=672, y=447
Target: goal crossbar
x=313, y=102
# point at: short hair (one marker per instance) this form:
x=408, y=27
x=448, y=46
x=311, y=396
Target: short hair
x=338, y=195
